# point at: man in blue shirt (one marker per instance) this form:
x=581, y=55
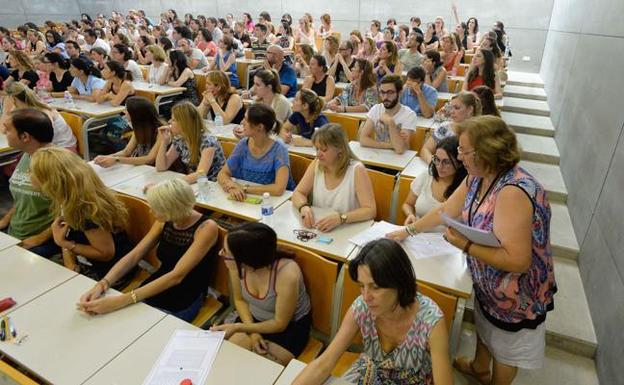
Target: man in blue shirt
x=287, y=75
x=420, y=97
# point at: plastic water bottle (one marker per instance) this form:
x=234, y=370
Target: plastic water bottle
x=266, y=209
x=69, y=100
x=203, y=187
x=218, y=120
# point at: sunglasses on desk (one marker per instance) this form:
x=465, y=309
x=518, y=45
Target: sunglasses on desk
x=304, y=235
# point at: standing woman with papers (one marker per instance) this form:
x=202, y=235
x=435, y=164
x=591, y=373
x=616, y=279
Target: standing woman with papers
x=514, y=284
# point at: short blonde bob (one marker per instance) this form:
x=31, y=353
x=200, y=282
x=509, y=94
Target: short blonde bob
x=173, y=199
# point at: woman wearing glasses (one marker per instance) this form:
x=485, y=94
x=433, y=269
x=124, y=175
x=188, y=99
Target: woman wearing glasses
x=514, y=283
x=336, y=180
x=435, y=184
x=269, y=295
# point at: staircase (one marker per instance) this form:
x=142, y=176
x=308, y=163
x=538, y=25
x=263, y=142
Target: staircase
x=570, y=337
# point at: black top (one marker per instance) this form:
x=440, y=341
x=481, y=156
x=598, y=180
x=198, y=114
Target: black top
x=31, y=76
x=239, y=115
x=321, y=87
x=63, y=84
x=100, y=268
x=171, y=247
x=341, y=76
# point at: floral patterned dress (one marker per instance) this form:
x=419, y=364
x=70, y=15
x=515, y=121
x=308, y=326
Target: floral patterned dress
x=407, y=364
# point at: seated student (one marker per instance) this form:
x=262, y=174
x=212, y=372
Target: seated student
x=90, y=220
x=436, y=73
x=464, y=106
x=434, y=185
x=158, y=68
x=387, y=62
x=336, y=180
x=488, y=104
x=341, y=67
x=257, y=158
x=361, y=94
x=29, y=218
x=303, y=55
x=144, y=142
x=185, y=242
x=404, y=333
x=285, y=38
x=226, y=60
x=20, y=96
x=181, y=75
x=98, y=57
x=118, y=84
x=194, y=56
x=87, y=83
x=205, y=43
x=306, y=118
x=389, y=124
x=318, y=80
x=269, y=294
x=287, y=74
x=221, y=99
x=122, y=54
x=268, y=92
x=57, y=68
x=261, y=44
x=22, y=69
x=451, y=54
x=410, y=56
x=417, y=95
x=482, y=73
x=199, y=151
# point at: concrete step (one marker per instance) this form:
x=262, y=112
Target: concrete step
x=539, y=149
x=550, y=177
x=560, y=367
x=562, y=237
x=524, y=92
x=525, y=79
x=569, y=326
x=526, y=106
x=529, y=124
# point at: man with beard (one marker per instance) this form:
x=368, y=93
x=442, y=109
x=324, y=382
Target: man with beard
x=389, y=124
x=410, y=56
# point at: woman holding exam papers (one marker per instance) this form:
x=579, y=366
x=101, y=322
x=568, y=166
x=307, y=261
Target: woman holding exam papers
x=514, y=283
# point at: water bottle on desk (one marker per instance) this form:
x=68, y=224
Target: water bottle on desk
x=218, y=120
x=266, y=209
x=69, y=100
x=203, y=186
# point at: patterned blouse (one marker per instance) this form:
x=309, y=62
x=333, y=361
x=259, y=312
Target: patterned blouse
x=348, y=97
x=207, y=140
x=407, y=364
x=513, y=301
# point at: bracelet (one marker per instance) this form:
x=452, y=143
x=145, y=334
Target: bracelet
x=104, y=280
x=302, y=206
x=410, y=231
x=133, y=296
x=467, y=247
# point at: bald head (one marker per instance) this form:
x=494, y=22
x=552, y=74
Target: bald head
x=275, y=54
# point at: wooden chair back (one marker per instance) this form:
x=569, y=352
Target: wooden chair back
x=228, y=147
x=298, y=166
x=222, y=278
x=404, y=188
x=447, y=303
x=319, y=275
x=140, y=223
x=417, y=139
x=383, y=186
x=75, y=123
x=145, y=72
x=349, y=124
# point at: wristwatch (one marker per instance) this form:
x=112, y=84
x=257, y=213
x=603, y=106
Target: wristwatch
x=343, y=218
x=245, y=188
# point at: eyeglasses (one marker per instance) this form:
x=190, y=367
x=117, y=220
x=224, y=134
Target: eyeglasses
x=460, y=151
x=384, y=93
x=441, y=162
x=304, y=235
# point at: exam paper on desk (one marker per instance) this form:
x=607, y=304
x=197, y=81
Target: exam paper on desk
x=422, y=245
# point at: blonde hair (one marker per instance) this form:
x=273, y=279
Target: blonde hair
x=174, y=199
x=157, y=52
x=332, y=135
x=22, y=60
x=495, y=144
x=76, y=191
x=21, y=92
x=192, y=127
x=469, y=99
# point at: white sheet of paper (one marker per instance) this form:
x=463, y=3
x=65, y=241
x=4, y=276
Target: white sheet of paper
x=478, y=236
x=188, y=354
x=423, y=245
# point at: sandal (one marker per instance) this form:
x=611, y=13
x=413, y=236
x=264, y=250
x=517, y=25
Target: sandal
x=466, y=366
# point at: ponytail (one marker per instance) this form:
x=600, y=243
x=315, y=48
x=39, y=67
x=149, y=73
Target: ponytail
x=315, y=102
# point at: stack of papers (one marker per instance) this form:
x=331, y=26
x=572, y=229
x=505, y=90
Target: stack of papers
x=423, y=245
x=189, y=354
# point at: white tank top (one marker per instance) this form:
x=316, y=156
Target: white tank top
x=342, y=198
x=63, y=135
